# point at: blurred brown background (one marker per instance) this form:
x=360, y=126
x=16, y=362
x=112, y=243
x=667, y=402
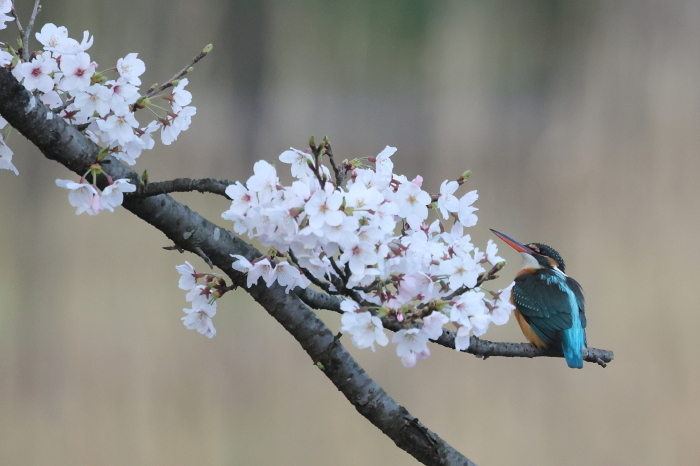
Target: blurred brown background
x=580, y=121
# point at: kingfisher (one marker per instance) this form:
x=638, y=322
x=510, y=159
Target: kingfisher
x=549, y=305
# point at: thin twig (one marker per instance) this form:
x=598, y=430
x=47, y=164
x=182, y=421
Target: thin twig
x=28, y=31
x=155, y=90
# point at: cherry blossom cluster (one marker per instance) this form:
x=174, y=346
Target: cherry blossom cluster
x=365, y=234
x=202, y=298
x=101, y=103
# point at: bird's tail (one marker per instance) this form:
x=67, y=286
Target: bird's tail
x=573, y=342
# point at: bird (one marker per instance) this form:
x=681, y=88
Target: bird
x=549, y=305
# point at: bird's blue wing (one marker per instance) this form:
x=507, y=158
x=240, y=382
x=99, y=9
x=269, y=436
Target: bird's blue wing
x=542, y=300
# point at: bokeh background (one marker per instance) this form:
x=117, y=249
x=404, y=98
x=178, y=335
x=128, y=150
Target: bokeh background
x=580, y=122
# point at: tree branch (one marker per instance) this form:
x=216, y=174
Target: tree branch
x=478, y=347
x=182, y=185
x=190, y=231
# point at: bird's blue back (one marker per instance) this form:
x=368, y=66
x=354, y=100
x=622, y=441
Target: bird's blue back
x=553, y=305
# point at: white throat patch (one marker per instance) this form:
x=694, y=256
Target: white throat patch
x=529, y=261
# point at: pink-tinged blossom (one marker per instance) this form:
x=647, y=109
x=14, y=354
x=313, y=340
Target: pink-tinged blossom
x=358, y=256
x=466, y=211
x=299, y=161
x=113, y=195
x=447, y=202
x=6, y=157
x=77, y=72
x=94, y=99
x=241, y=201
x=130, y=68
x=412, y=345
x=181, y=97
x=36, y=73
x=187, y=279
x=365, y=329
x=122, y=91
x=83, y=196
x=432, y=325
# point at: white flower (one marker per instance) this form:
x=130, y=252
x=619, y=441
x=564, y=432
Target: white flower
x=502, y=306
x=199, y=318
x=264, y=182
x=6, y=156
x=52, y=36
x=176, y=124
x=241, y=200
x=77, y=72
x=120, y=126
x=462, y=339
x=470, y=312
x=262, y=268
x=130, y=68
x=447, y=202
x=122, y=91
x=290, y=277
x=362, y=198
x=95, y=99
x=322, y=208
x=466, y=211
x=299, y=160
x=358, y=256
x=36, y=73
x=83, y=196
x=413, y=204
x=461, y=271
x=412, y=346
x=432, y=324
x=188, y=279
x=181, y=97
x=70, y=46
x=365, y=329
x=384, y=163
x=113, y=195
x=5, y=57
x=492, y=253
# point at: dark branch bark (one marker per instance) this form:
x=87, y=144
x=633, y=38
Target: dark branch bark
x=190, y=231
x=478, y=347
x=183, y=185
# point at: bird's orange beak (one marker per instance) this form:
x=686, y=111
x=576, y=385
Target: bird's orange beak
x=517, y=245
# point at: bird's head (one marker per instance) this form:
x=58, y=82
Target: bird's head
x=535, y=255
